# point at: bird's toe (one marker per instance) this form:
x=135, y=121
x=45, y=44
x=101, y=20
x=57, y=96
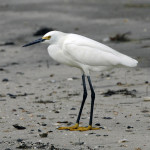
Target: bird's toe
x=85, y=128
x=69, y=128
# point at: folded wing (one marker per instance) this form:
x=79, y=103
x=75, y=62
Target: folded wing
x=92, y=53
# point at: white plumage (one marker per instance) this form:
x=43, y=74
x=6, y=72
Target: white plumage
x=87, y=55
x=84, y=53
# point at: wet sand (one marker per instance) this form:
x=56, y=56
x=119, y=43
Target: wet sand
x=38, y=93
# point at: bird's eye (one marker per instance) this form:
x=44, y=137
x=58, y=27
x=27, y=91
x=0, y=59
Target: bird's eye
x=48, y=37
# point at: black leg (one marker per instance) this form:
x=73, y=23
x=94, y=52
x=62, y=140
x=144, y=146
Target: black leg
x=92, y=100
x=76, y=126
x=84, y=98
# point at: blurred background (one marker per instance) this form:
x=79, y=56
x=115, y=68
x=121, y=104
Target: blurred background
x=120, y=24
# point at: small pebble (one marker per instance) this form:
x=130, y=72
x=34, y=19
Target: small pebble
x=52, y=81
x=98, y=135
x=1, y=69
x=146, y=99
x=105, y=135
x=69, y=79
x=5, y=80
x=44, y=124
x=107, y=118
x=43, y=135
x=19, y=140
x=129, y=127
x=78, y=143
x=122, y=141
x=97, y=124
x=19, y=127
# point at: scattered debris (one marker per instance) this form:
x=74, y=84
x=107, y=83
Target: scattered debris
x=52, y=81
x=69, y=79
x=37, y=145
x=122, y=141
x=92, y=133
x=105, y=75
x=57, y=64
x=75, y=78
x=121, y=91
x=44, y=124
x=43, y=117
x=1, y=69
x=146, y=115
x=14, y=63
x=145, y=46
x=123, y=145
x=76, y=28
x=2, y=50
x=44, y=102
x=78, y=143
x=120, y=37
x=2, y=99
x=42, y=31
x=129, y=127
x=69, y=123
x=2, y=95
x=74, y=94
x=120, y=84
x=5, y=80
x=97, y=124
x=129, y=130
x=51, y=75
x=107, y=118
x=20, y=73
x=56, y=111
x=19, y=127
x=7, y=43
x=39, y=130
x=105, y=135
x=145, y=111
x=146, y=99
x=44, y=135
x=19, y=140
x=98, y=135
x=14, y=96
x=24, y=146
x=138, y=148
x=62, y=121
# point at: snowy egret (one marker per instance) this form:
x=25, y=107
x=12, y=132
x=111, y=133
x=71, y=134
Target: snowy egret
x=87, y=55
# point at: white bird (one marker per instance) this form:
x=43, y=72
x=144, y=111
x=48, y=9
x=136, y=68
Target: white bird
x=87, y=55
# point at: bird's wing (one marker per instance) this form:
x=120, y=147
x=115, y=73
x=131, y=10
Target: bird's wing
x=90, y=56
x=90, y=52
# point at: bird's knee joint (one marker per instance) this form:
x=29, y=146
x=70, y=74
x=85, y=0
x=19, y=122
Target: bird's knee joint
x=93, y=95
x=85, y=95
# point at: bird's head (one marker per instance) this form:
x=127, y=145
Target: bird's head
x=46, y=38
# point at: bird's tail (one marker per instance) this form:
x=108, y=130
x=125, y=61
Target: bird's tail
x=128, y=61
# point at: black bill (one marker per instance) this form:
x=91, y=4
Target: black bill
x=34, y=42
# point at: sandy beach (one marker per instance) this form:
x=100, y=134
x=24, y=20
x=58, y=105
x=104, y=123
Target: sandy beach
x=38, y=95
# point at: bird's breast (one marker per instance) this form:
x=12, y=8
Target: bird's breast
x=57, y=54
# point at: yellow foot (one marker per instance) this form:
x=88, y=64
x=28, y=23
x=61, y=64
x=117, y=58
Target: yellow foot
x=77, y=128
x=69, y=128
x=84, y=128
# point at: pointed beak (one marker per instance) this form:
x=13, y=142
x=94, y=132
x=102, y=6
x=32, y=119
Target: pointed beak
x=34, y=42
